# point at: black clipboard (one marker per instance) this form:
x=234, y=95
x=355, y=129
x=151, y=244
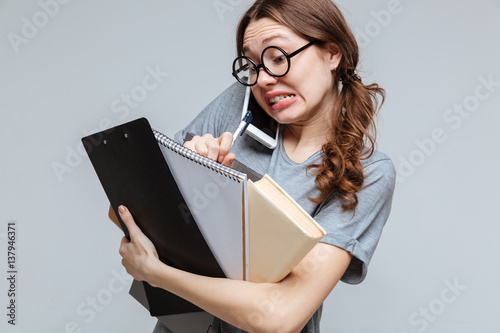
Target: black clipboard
x=133, y=172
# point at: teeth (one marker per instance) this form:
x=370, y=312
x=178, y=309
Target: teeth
x=280, y=98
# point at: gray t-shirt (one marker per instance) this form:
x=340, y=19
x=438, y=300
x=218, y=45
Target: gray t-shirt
x=358, y=234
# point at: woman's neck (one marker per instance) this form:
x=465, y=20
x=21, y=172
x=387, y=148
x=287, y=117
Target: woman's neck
x=303, y=140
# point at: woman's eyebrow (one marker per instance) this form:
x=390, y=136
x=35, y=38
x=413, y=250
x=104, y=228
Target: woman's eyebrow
x=266, y=41
x=274, y=37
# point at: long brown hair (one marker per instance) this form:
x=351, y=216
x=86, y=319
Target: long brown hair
x=353, y=129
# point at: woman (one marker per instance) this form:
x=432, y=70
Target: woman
x=325, y=160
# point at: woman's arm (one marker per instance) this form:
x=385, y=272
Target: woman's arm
x=285, y=306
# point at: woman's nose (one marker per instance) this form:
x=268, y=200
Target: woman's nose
x=265, y=78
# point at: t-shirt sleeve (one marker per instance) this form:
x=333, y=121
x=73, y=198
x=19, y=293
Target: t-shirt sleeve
x=359, y=234
x=221, y=115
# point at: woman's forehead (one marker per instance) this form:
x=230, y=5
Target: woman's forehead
x=264, y=31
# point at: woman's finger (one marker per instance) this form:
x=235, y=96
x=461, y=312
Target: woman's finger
x=229, y=160
x=225, y=142
x=212, y=146
x=128, y=220
x=191, y=143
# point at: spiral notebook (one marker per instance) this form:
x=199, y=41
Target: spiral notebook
x=200, y=203
x=216, y=197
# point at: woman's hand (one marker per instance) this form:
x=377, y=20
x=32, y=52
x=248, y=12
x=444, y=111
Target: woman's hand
x=139, y=254
x=216, y=149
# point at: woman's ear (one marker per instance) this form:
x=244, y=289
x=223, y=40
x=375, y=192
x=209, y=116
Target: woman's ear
x=333, y=54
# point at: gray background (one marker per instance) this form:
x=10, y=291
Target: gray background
x=437, y=266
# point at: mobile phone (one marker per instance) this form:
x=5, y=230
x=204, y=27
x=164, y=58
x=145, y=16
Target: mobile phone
x=263, y=128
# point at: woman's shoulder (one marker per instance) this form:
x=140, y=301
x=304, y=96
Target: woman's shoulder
x=231, y=99
x=221, y=115
x=377, y=157
x=379, y=165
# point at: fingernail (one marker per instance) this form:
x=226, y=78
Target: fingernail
x=121, y=209
x=221, y=158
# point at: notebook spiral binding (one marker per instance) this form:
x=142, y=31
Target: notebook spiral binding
x=197, y=158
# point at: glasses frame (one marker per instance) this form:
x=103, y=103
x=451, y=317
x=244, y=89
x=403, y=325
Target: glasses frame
x=261, y=65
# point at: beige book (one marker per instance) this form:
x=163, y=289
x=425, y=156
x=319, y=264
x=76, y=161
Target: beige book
x=281, y=232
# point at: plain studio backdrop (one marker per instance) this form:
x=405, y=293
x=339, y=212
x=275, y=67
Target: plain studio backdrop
x=70, y=68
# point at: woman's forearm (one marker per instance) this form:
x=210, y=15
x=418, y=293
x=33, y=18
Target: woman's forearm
x=254, y=307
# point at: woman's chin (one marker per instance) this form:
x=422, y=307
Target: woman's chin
x=284, y=116
x=285, y=120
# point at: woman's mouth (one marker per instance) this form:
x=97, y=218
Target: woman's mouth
x=280, y=98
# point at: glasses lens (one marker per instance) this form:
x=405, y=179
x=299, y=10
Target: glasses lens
x=275, y=61
x=244, y=71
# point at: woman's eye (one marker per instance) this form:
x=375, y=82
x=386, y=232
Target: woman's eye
x=279, y=60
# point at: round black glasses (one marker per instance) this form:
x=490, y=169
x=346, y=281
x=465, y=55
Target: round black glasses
x=274, y=60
